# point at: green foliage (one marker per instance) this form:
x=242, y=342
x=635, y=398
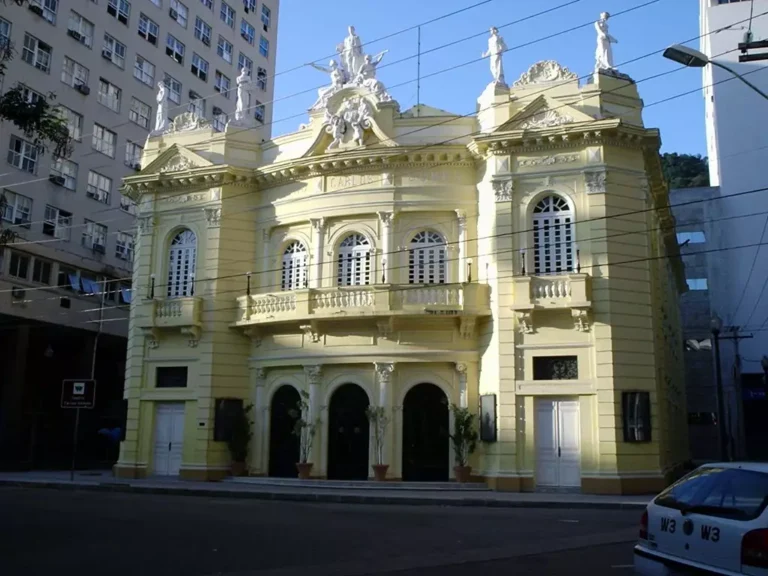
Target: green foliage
x=242, y=432
x=377, y=416
x=303, y=428
x=685, y=170
x=464, y=435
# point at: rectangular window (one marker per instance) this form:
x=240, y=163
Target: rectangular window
x=174, y=89
x=74, y=122
x=158, y=3
x=36, y=53
x=264, y=47
x=104, y=140
x=140, y=113
x=67, y=170
x=133, y=153
x=224, y=49
x=199, y=67
x=120, y=9
x=697, y=283
x=266, y=17
x=196, y=104
x=261, y=78
x=249, y=6
x=219, y=120
x=49, y=8
x=94, y=235
x=58, y=223
x=74, y=74
x=17, y=209
x=109, y=95
x=148, y=29
x=174, y=49
x=258, y=111
x=67, y=278
x=124, y=246
x=696, y=237
x=171, y=377
x=113, y=51
x=248, y=32
x=80, y=29
x=144, y=71
x=99, y=187
x=244, y=62
x=19, y=265
x=202, y=31
x=5, y=32
x=179, y=12
x=41, y=271
x=636, y=413
x=221, y=84
x=555, y=368
x=23, y=155
x=30, y=96
x=128, y=205
x=227, y=15
x=207, y=3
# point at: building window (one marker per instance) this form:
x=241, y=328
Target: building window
x=221, y=84
x=259, y=110
x=555, y=368
x=120, y=9
x=67, y=170
x=202, y=31
x=104, y=140
x=174, y=89
x=41, y=271
x=57, y=223
x=17, y=209
x=124, y=247
x=36, y=53
x=179, y=12
x=19, y=265
x=249, y=6
x=5, y=32
x=174, y=49
x=94, y=236
x=148, y=29
x=127, y=205
x=140, y=113
x=199, y=67
x=697, y=283
x=113, y=51
x=49, y=8
x=244, y=62
x=144, y=71
x=224, y=49
x=99, y=187
x=74, y=74
x=426, y=259
x=171, y=377
x=266, y=17
x=74, y=122
x=80, y=29
x=354, y=261
x=207, y=3
x=294, y=276
x=248, y=32
x=696, y=237
x=158, y=3
x=181, y=265
x=227, y=15
x=31, y=96
x=552, y=236
x=23, y=155
x=261, y=78
x=109, y=95
x=219, y=120
x=133, y=153
x=636, y=412
x=264, y=47
x=196, y=104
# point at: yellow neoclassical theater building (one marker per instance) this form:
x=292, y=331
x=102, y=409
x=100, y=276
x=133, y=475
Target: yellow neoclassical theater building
x=521, y=262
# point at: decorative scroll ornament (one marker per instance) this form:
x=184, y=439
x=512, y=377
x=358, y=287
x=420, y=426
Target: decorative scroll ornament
x=187, y=121
x=546, y=119
x=595, y=182
x=355, y=115
x=503, y=189
x=550, y=160
x=544, y=72
x=213, y=216
x=177, y=164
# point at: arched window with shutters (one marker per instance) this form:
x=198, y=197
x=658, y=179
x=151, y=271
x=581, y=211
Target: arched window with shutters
x=294, y=274
x=181, y=265
x=354, y=261
x=427, y=259
x=552, y=236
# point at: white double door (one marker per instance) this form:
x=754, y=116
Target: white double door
x=169, y=438
x=558, y=443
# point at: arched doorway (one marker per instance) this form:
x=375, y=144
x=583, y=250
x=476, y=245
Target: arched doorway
x=283, y=443
x=348, y=434
x=425, y=434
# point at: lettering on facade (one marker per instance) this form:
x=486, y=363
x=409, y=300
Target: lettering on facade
x=442, y=312
x=352, y=181
x=431, y=177
x=184, y=199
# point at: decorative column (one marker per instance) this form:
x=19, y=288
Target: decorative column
x=387, y=219
x=266, y=262
x=462, y=221
x=261, y=451
x=383, y=383
x=314, y=375
x=461, y=369
x=316, y=266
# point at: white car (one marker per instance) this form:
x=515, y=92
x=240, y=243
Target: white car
x=712, y=521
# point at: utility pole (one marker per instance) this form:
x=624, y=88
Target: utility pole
x=737, y=444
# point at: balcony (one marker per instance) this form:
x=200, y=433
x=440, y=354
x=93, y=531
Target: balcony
x=561, y=292
x=180, y=315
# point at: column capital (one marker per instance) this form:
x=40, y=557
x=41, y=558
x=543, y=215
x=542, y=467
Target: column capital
x=461, y=368
x=260, y=375
x=318, y=224
x=462, y=218
x=384, y=371
x=386, y=218
x=314, y=373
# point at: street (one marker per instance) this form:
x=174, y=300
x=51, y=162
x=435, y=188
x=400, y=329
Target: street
x=88, y=533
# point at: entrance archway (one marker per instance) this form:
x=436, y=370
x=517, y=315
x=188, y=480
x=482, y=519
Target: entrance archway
x=283, y=443
x=426, y=446
x=348, y=434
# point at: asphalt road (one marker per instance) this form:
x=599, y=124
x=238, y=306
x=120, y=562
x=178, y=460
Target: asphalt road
x=45, y=532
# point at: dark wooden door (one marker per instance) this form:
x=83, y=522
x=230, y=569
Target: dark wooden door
x=348, y=434
x=283, y=443
x=425, y=435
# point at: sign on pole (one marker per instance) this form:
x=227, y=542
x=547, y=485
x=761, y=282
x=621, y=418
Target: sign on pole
x=78, y=394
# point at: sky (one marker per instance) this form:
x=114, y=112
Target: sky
x=309, y=31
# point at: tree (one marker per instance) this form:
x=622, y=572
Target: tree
x=685, y=170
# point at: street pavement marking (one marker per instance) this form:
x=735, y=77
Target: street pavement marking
x=568, y=521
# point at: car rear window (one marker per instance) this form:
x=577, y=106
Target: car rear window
x=727, y=492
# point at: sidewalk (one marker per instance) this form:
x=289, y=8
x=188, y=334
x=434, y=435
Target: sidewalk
x=433, y=494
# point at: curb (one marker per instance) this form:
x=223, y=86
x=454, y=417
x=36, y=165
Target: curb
x=324, y=497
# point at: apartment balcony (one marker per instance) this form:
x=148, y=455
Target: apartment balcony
x=557, y=292
x=174, y=315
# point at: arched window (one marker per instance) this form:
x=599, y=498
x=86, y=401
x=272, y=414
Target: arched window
x=426, y=259
x=181, y=265
x=294, y=267
x=354, y=263
x=552, y=236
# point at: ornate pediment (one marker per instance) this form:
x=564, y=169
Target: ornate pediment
x=545, y=72
x=543, y=113
x=176, y=159
x=186, y=122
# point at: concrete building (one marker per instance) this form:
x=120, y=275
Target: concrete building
x=103, y=61
x=408, y=260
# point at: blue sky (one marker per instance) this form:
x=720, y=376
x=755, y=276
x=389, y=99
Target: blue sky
x=310, y=30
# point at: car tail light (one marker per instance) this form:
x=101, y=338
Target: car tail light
x=754, y=548
x=644, y=526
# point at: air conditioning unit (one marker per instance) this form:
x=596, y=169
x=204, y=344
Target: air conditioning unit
x=35, y=9
x=99, y=248
x=58, y=180
x=83, y=89
x=266, y=28
x=106, y=54
x=173, y=13
x=245, y=36
x=75, y=34
x=206, y=41
x=216, y=110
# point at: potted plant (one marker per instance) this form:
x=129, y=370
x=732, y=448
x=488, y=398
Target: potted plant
x=305, y=429
x=242, y=432
x=464, y=440
x=377, y=416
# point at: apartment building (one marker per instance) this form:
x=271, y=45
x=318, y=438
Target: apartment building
x=102, y=59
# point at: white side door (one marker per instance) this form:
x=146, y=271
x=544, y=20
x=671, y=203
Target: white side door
x=569, y=443
x=169, y=438
x=177, y=440
x=545, y=432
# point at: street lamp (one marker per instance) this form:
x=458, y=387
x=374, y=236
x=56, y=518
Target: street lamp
x=695, y=59
x=716, y=325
